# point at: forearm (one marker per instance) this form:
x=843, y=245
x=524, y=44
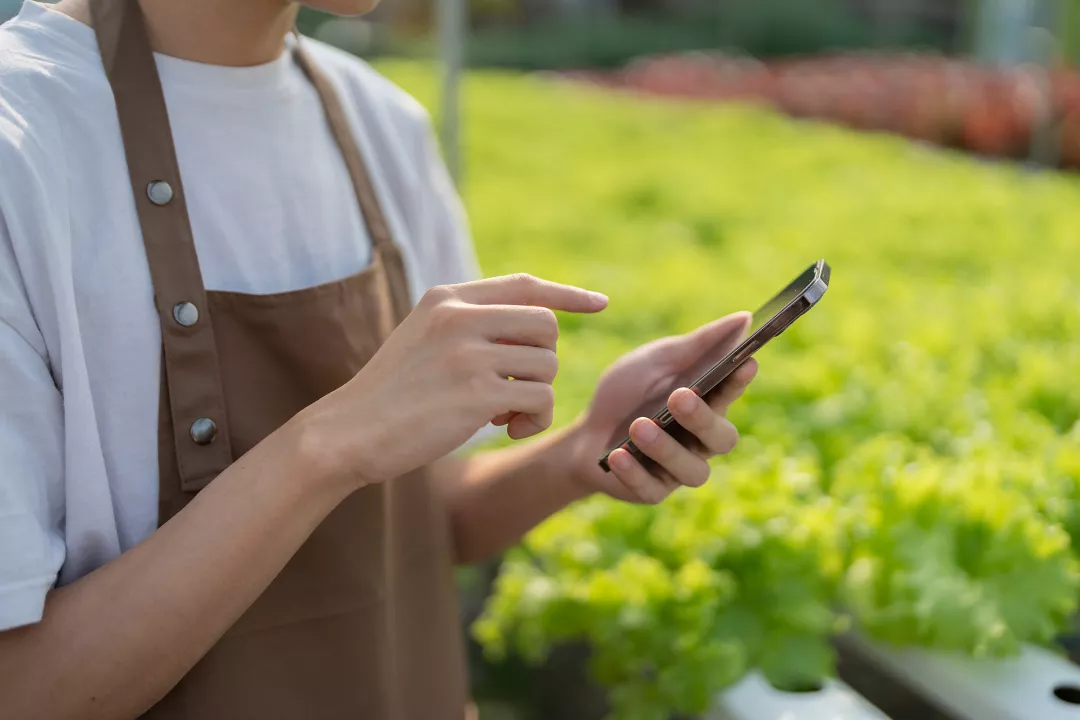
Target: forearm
x=114, y=642
x=494, y=498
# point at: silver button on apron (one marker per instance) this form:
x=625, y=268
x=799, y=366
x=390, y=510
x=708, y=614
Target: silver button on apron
x=159, y=192
x=185, y=314
x=203, y=431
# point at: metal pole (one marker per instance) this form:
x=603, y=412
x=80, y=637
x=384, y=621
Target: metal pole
x=452, y=20
x=1045, y=131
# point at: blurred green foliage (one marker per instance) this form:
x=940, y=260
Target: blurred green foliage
x=911, y=449
x=762, y=28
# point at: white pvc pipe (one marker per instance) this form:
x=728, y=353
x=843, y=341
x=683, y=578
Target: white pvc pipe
x=1021, y=688
x=753, y=698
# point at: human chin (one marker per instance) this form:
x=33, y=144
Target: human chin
x=342, y=7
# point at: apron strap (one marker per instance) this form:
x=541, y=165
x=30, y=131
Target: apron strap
x=200, y=426
x=192, y=372
x=350, y=151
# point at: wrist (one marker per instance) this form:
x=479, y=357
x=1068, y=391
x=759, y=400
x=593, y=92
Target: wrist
x=318, y=457
x=576, y=450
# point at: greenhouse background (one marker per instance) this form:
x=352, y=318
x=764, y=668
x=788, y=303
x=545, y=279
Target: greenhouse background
x=898, y=533
x=1026, y=41
x=896, y=536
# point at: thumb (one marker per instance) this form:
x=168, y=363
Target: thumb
x=727, y=331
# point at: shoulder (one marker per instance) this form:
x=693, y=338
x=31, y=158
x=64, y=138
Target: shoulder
x=357, y=76
x=394, y=130
x=53, y=94
x=28, y=126
x=369, y=92
x=48, y=57
x=48, y=81
x=25, y=82
x=397, y=132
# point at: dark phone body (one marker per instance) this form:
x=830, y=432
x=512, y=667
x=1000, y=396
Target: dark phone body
x=780, y=312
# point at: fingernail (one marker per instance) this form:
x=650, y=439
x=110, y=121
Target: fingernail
x=598, y=298
x=685, y=403
x=647, y=431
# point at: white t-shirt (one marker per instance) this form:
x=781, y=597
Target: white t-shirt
x=272, y=209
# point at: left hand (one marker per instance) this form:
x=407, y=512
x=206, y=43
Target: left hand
x=629, y=385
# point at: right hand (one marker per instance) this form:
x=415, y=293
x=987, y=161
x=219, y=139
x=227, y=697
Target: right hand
x=444, y=373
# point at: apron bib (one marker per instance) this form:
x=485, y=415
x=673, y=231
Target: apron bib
x=363, y=622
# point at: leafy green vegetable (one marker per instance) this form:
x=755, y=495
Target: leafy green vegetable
x=948, y=554
x=680, y=600
x=911, y=451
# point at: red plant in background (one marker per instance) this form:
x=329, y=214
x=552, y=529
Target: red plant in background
x=1070, y=139
x=928, y=97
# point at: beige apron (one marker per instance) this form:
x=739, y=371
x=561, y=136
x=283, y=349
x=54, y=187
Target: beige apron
x=363, y=622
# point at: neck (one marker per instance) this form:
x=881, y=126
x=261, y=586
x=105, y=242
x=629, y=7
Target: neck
x=216, y=32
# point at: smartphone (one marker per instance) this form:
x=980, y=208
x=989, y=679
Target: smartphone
x=715, y=365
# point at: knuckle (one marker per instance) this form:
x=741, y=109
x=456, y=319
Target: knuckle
x=549, y=323
x=547, y=317
x=723, y=438
x=440, y=316
x=449, y=317
x=634, y=484
x=646, y=488
x=522, y=279
x=552, y=366
x=698, y=476
x=706, y=473
x=703, y=422
x=708, y=425
x=731, y=438
x=435, y=295
x=541, y=326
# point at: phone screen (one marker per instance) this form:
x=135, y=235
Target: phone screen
x=761, y=317
x=769, y=310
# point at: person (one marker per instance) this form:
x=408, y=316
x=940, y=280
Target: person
x=243, y=337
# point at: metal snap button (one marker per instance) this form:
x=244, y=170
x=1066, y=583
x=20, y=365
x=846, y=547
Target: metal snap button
x=159, y=192
x=203, y=431
x=185, y=314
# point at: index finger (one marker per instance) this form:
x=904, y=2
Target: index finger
x=522, y=289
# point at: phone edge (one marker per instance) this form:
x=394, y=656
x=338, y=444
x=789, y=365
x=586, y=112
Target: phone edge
x=811, y=296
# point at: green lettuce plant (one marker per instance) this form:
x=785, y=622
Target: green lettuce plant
x=910, y=456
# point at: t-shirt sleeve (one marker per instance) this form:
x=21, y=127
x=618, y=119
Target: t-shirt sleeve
x=446, y=250
x=31, y=454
